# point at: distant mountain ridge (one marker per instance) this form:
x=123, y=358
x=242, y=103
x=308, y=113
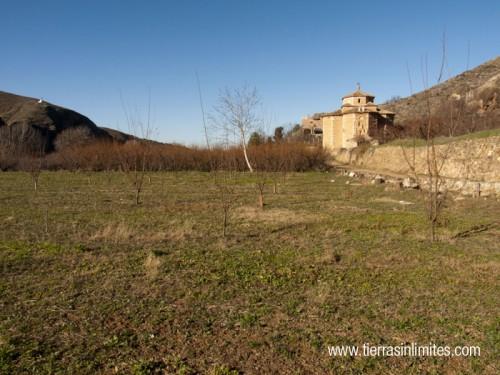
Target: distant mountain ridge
x=477, y=91
x=33, y=126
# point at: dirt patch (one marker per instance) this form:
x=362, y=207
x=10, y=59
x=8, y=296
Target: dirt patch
x=152, y=265
x=121, y=232
x=115, y=232
x=274, y=215
x=390, y=200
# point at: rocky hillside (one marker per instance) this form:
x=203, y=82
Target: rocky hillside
x=474, y=94
x=33, y=126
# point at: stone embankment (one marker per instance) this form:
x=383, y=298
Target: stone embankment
x=471, y=167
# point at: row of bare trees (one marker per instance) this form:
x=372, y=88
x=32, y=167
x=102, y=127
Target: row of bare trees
x=137, y=160
x=156, y=157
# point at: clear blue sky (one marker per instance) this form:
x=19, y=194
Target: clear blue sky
x=301, y=55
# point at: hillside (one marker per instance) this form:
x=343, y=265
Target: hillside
x=474, y=95
x=118, y=136
x=31, y=126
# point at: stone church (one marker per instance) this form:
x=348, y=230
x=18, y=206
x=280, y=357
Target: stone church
x=358, y=120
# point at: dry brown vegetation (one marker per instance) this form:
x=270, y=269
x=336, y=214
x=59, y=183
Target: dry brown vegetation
x=107, y=156
x=449, y=120
x=469, y=100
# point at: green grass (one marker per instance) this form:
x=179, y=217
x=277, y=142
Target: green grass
x=91, y=283
x=444, y=140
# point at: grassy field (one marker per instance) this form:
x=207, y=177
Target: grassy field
x=92, y=283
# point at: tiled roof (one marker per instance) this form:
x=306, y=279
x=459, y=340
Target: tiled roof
x=358, y=93
x=338, y=112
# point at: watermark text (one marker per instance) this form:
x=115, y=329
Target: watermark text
x=403, y=350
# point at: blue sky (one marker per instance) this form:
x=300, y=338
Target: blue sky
x=301, y=55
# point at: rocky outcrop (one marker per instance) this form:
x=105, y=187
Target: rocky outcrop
x=33, y=126
x=473, y=97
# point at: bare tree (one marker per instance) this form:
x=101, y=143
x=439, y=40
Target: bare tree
x=261, y=179
x=134, y=164
x=429, y=175
x=73, y=137
x=225, y=184
x=135, y=155
x=237, y=116
x=278, y=168
x=269, y=163
x=223, y=167
x=34, y=166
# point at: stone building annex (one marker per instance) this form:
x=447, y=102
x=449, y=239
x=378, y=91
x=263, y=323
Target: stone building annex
x=358, y=120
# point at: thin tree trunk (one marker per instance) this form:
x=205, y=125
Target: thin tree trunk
x=433, y=230
x=246, y=157
x=46, y=220
x=261, y=197
x=137, y=196
x=224, y=223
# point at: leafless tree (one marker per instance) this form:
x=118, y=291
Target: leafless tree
x=223, y=167
x=225, y=184
x=34, y=166
x=73, y=137
x=237, y=116
x=429, y=176
x=269, y=162
x=33, y=163
x=261, y=179
x=135, y=155
x=133, y=163
x=278, y=170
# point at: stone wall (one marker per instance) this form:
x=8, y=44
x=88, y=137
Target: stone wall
x=466, y=163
